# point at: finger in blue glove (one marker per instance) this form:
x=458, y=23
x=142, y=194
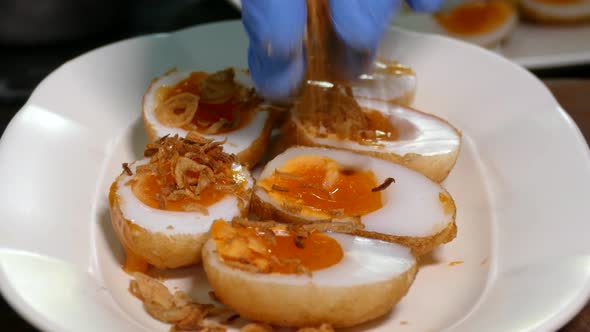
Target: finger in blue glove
x=276, y=30
x=275, y=78
x=361, y=23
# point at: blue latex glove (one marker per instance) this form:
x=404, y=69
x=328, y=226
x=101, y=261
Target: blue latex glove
x=276, y=29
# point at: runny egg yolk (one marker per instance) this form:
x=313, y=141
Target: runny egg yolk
x=234, y=111
x=147, y=188
x=475, y=18
x=321, y=186
x=279, y=252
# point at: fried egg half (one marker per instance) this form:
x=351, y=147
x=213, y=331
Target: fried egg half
x=556, y=11
x=485, y=23
x=246, y=127
x=167, y=238
x=420, y=141
x=392, y=202
x=347, y=280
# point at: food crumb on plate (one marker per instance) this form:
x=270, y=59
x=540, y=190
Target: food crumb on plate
x=177, y=309
x=453, y=263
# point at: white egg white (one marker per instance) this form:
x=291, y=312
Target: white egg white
x=176, y=222
x=419, y=133
x=364, y=261
x=411, y=205
x=237, y=141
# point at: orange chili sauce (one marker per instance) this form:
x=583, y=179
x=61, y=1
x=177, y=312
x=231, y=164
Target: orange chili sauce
x=146, y=187
x=210, y=113
x=318, y=251
x=350, y=190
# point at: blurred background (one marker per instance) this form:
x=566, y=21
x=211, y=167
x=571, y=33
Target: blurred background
x=36, y=36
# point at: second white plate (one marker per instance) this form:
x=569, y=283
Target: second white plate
x=531, y=46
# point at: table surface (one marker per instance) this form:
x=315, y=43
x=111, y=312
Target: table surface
x=571, y=87
x=574, y=97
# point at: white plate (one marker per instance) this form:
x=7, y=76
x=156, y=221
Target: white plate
x=532, y=46
x=521, y=185
x=529, y=45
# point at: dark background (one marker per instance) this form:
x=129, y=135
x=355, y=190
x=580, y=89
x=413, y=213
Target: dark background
x=24, y=65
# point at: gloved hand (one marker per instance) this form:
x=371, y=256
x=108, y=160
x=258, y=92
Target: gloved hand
x=276, y=30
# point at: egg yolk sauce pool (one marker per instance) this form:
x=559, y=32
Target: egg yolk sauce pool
x=185, y=175
x=274, y=250
x=322, y=187
x=208, y=103
x=148, y=189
